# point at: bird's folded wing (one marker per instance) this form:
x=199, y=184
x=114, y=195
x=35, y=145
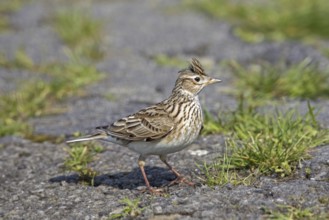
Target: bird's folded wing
x=143, y=126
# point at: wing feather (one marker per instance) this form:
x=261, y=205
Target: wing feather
x=146, y=125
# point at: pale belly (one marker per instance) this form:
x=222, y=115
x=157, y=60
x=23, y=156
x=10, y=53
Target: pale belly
x=169, y=144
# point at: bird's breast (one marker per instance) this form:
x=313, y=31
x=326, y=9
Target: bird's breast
x=188, y=123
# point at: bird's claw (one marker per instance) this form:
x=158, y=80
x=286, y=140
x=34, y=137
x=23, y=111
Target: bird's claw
x=154, y=191
x=180, y=180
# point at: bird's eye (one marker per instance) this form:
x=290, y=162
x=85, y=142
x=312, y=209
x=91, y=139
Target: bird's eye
x=197, y=79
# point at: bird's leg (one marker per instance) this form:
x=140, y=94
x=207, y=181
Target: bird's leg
x=180, y=178
x=141, y=164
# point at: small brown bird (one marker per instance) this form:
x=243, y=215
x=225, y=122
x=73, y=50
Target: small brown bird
x=163, y=128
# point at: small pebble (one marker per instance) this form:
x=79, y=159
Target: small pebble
x=198, y=152
x=157, y=209
x=279, y=200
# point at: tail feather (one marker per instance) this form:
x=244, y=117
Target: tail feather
x=88, y=138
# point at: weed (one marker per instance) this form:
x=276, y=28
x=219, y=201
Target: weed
x=325, y=52
x=39, y=97
x=225, y=125
x=20, y=61
x=40, y=138
x=289, y=212
x=18, y=106
x=80, y=156
x=69, y=78
x=221, y=172
x=271, y=143
x=7, y=7
x=297, y=81
x=80, y=32
x=111, y=97
x=131, y=209
x=212, y=125
x=55, y=82
x=10, y=126
x=275, y=143
x=274, y=19
x=165, y=60
x=324, y=200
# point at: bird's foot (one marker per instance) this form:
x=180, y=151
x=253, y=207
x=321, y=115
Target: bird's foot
x=180, y=180
x=154, y=191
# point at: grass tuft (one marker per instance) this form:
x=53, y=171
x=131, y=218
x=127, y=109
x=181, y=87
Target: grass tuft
x=80, y=156
x=131, y=209
x=16, y=107
x=297, y=81
x=165, y=60
x=269, y=143
x=273, y=19
x=80, y=32
x=20, y=61
x=7, y=7
x=222, y=172
x=213, y=125
x=274, y=144
x=37, y=97
x=289, y=212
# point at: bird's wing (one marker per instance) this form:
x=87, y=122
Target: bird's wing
x=146, y=125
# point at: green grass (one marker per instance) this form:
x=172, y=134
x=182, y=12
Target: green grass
x=266, y=143
x=292, y=212
x=266, y=81
x=81, y=32
x=7, y=7
x=287, y=212
x=273, y=19
x=165, y=60
x=16, y=107
x=80, y=156
x=37, y=97
x=53, y=83
x=222, y=172
x=325, y=52
x=131, y=209
x=214, y=125
x=10, y=6
x=275, y=144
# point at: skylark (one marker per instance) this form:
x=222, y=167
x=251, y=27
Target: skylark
x=163, y=128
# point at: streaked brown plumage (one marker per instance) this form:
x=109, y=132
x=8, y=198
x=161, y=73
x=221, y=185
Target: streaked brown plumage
x=163, y=128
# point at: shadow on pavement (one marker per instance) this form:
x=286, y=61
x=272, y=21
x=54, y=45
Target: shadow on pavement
x=158, y=177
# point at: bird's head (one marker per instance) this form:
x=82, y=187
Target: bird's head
x=193, y=79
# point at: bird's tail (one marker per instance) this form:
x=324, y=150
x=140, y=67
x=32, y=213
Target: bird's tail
x=88, y=138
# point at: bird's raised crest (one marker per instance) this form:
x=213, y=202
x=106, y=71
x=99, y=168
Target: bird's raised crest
x=196, y=67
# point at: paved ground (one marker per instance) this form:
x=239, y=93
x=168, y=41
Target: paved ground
x=33, y=183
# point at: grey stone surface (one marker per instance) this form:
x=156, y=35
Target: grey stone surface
x=33, y=182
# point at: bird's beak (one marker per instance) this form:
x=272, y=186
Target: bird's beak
x=213, y=80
